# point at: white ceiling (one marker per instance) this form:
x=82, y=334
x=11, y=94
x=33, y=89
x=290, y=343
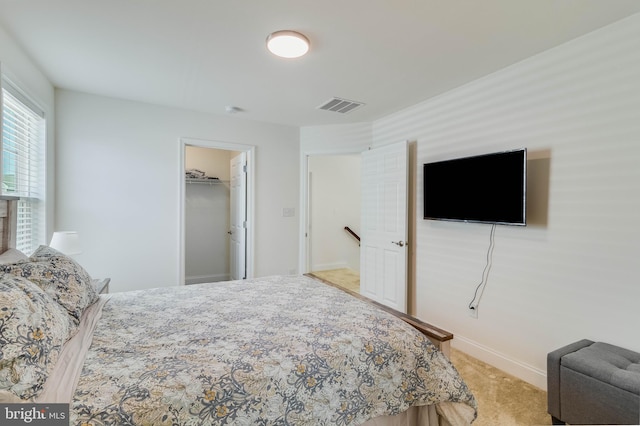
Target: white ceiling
x=204, y=55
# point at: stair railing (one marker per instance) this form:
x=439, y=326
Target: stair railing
x=353, y=234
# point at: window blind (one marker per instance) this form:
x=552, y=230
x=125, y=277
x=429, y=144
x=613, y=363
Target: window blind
x=23, y=136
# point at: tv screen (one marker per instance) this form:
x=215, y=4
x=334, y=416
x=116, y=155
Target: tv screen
x=488, y=188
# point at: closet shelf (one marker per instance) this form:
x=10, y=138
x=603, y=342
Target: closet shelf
x=207, y=181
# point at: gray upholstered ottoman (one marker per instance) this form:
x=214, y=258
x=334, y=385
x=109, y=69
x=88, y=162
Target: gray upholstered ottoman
x=593, y=383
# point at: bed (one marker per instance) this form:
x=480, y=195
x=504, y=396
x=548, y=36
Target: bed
x=286, y=350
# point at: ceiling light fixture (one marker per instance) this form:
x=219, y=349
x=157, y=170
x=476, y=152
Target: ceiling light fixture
x=287, y=44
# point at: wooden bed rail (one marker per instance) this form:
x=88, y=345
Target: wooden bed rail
x=439, y=337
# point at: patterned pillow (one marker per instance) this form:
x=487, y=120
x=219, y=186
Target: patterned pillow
x=33, y=329
x=60, y=277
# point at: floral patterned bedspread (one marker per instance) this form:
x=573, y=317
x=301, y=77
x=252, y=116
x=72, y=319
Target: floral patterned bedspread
x=279, y=350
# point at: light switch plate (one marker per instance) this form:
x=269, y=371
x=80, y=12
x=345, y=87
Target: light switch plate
x=288, y=212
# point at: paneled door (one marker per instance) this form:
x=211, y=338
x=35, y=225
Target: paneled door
x=384, y=225
x=238, y=217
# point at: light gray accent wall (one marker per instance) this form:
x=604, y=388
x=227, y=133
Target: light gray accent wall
x=572, y=272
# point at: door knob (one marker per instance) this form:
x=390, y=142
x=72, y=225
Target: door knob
x=399, y=243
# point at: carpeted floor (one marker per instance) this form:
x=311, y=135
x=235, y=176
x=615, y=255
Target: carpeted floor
x=503, y=400
x=344, y=277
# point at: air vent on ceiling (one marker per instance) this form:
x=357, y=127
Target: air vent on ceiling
x=342, y=106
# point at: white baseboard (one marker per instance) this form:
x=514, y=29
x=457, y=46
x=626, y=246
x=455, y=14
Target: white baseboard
x=529, y=374
x=197, y=279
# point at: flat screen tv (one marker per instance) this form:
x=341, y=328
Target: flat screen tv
x=488, y=188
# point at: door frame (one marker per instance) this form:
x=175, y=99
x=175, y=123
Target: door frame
x=238, y=174
x=303, y=257
x=305, y=200
x=227, y=146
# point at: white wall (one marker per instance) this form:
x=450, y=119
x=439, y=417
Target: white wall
x=335, y=203
x=572, y=272
x=118, y=175
x=333, y=139
x=23, y=72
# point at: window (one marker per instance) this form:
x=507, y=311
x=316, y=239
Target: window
x=23, y=137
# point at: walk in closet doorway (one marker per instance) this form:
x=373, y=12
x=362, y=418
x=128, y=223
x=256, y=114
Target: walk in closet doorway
x=215, y=211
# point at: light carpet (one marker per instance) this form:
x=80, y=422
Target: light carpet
x=502, y=398
x=344, y=277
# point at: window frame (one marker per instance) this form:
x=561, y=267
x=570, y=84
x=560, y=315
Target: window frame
x=32, y=205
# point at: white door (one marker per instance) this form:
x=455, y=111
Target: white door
x=383, y=252
x=238, y=218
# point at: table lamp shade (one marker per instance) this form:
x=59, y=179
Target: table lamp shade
x=66, y=242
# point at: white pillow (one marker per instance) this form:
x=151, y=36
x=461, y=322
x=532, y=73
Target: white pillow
x=12, y=256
